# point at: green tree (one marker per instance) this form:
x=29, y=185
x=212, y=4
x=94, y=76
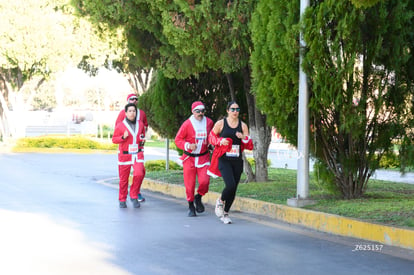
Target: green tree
x=364, y=3
x=359, y=65
x=43, y=37
x=275, y=63
x=187, y=38
x=167, y=120
x=216, y=35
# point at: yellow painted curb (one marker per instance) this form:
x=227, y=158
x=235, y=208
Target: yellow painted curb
x=324, y=222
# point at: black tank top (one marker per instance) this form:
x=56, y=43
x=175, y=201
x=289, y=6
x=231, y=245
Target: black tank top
x=228, y=132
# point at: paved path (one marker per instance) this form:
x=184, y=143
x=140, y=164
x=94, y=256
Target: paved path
x=56, y=218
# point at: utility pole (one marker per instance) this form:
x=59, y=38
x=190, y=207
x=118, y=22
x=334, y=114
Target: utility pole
x=167, y=154
x=302, y=183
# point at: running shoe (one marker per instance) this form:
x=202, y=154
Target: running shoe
x=141, y=198
x=219, y=208
x=136, y=203
x=199, y=205
x=225, y=219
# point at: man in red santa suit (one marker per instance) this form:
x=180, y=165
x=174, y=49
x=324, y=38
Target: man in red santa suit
x=130, y=135
x=192, y=139
x=141, y=116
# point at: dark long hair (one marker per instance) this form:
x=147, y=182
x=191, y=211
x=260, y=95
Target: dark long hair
x=231, y=103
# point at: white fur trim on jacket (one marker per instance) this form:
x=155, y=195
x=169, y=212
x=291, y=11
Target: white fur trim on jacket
x=246, y=139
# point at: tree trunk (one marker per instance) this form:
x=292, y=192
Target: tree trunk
x=137, y=80
x=231, y=86
x=250, y=177
x=7, y=130
x=259, y=131
x=350, y=177
x=4, y=117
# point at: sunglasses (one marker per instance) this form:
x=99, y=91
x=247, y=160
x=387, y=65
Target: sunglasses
x=235, y=109
x=199, y=111
x=134, y=98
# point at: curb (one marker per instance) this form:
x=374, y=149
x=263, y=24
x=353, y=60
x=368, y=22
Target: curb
x=328, y=223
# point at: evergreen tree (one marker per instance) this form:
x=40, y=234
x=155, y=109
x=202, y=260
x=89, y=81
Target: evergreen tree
x=188, y=38
x=359, y=67
x=168, y=101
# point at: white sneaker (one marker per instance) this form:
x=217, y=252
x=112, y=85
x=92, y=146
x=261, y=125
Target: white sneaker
x=225, y=219
x=219, y=208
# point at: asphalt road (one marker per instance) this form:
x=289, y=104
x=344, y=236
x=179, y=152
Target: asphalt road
x=58, y=217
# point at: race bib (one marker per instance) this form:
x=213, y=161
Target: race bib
x=234, y=152
x=201, y=134
x=133, y=149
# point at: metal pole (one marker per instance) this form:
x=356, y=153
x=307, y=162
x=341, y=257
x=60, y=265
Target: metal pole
x=167, y=161
x=302, y=181
x=303, y=122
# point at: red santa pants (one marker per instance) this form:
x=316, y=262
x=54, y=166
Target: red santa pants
x=190, y=172
x=138, y=177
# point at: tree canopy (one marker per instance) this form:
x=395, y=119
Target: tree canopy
x=168, y=101
x=43, y=37
x=185, y=39
x=359, y=66
x=275, y=63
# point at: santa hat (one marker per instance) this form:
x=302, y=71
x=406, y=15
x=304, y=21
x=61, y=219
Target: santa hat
x=131, y=96
x=197, y=105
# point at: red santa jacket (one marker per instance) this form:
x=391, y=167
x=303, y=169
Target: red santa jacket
x=131, y=149
x=219, y=150
x=141, y=116
x=194, y=131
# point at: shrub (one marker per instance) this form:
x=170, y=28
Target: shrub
x=173, y=146
x=63, y=142
x=107, y=131
x=107, y=146
x=77, y=143
x=324, y=178
x=159, y=165
x=253, y=162
x=390, y=160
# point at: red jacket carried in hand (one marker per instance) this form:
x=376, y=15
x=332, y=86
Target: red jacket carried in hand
x=219, y=150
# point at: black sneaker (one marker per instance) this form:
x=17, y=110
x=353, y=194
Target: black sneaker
x=199, y=204
x=191, y=209
x=122, y=204
x=141, y=198
x=136, y=203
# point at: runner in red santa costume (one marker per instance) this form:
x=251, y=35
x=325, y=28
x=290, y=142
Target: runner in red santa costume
x=141, y=116
x=192, y=139
x=132, y=98
x=130, y=135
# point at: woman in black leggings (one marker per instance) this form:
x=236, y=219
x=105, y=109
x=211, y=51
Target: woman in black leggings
x=230, y=137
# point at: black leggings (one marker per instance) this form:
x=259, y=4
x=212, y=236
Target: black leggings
x=231, y=171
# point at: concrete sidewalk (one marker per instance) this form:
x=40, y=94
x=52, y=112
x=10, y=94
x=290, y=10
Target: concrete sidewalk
x=329, y=223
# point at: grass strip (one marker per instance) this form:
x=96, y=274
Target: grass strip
x=384, y=202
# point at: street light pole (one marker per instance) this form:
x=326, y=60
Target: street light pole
x=167, y=154
x=302, y=183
